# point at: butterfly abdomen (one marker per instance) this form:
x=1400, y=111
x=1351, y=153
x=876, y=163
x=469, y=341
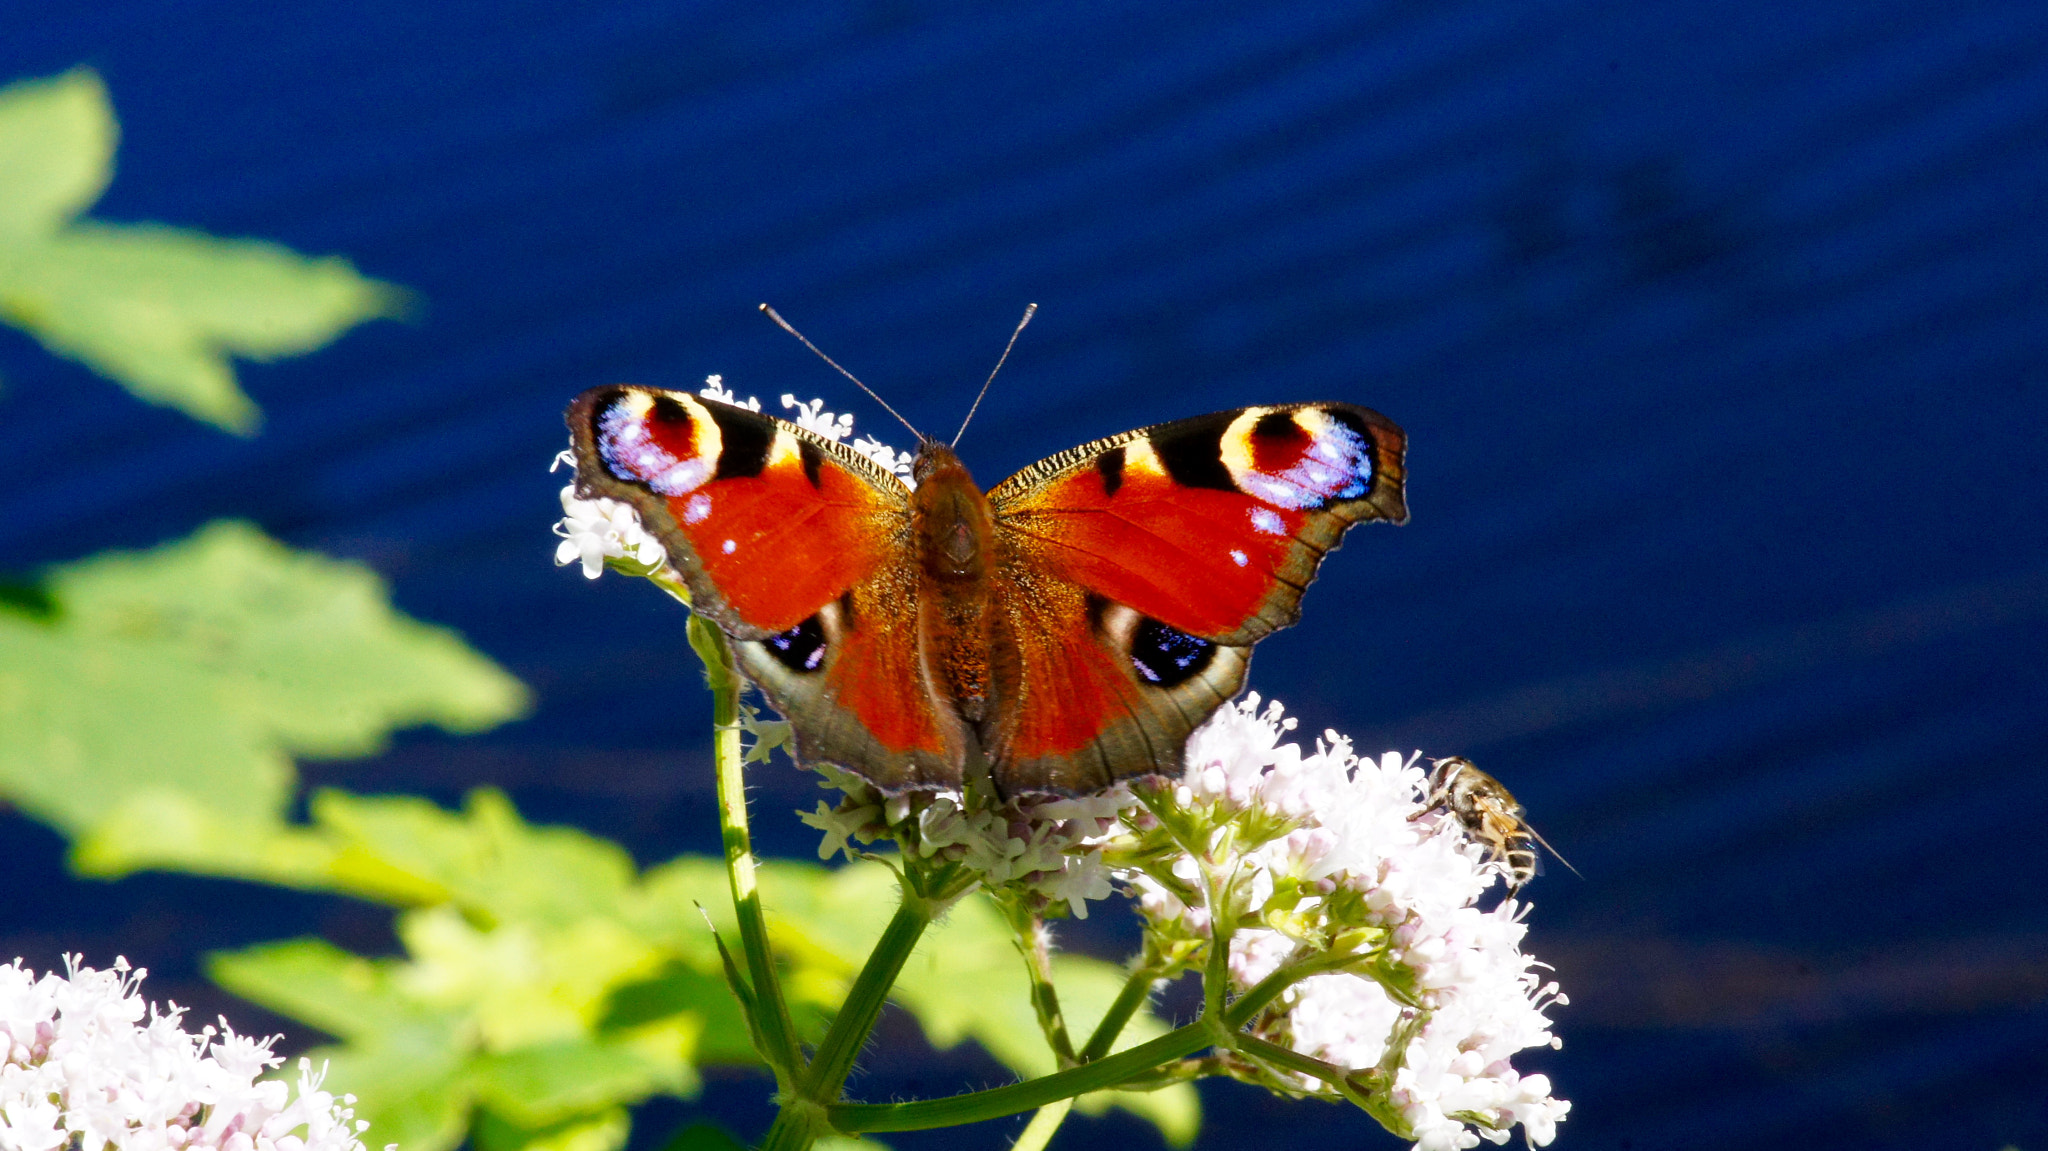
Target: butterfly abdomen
x=955, y=537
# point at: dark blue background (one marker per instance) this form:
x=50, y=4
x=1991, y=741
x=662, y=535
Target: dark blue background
x=1718, y=328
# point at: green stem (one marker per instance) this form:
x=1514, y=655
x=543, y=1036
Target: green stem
x=771, y=1010
x=1136, y=990
x=1040, y=1130
x=995, y=1103
x=1034, y=939
x=1270, y=1052
x=1245, y=1006
x=863, y=1004
x=797, y=1126
x=1216, y=973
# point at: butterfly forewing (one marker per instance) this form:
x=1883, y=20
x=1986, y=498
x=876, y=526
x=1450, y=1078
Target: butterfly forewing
x=799, y=549
x=1135, y=573
x=766, y=521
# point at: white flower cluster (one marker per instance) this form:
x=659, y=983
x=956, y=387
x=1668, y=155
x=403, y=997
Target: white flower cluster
x=1321, y=854
x=836, y=428
x=812, y=416
x=86, y=1063
x=1042, y=848
x=1320, y=860
x=714, y=389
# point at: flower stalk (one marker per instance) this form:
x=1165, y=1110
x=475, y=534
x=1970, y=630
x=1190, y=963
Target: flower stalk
x=771, y=1020
x=1034, y=942
x=1136, y=991
x=994, y=1103
x=856, y=1017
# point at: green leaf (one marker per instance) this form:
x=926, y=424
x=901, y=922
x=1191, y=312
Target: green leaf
x=418, y=1099
x=678, y=990
x=549, y=1083
x=545, y=985
x=490, y=861
x=605, y=1131
x=185, y=678
x=27, y=598
x=580, y=986
x=340, y=993
x=703, y=1137
x=494, y=1018
x=56, y=150
x=158, y=310
x=406, y=1061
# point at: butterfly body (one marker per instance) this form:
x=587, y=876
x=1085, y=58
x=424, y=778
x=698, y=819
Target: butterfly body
x=1066, y=629
x=955, y=533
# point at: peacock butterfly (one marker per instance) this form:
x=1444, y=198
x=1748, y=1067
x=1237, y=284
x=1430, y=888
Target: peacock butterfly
x=1065, y=630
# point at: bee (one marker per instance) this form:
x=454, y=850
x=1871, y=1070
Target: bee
x=1491, y=816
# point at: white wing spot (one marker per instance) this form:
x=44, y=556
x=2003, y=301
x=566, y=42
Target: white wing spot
x=1268, y=521
x=698, y=507
x=731, y=547
x=1241, y=558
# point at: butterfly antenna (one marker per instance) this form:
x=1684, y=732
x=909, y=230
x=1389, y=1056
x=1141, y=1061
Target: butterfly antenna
x=784, y=325
x=1030, y=310
x=1538, y=836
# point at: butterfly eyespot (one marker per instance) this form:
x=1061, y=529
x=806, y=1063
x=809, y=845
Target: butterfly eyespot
x=801, y=648
x=655, y=441
x=1166, y=656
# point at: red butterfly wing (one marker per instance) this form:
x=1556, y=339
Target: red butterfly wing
x=799, y=549
x=1136, y=572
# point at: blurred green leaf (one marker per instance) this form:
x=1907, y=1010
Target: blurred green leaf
x=56, y=151
x=573, y=986
x=554, y=1082
x=604, y=1131
x=706, y=1137
x=680, y=990
x=406, y=1061
x=180, y=681
x=545, y=986
x=159, y=310
x=703, y=1137
x=27, y=598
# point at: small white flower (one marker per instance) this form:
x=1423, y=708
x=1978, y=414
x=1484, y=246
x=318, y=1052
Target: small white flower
x=840, y=824
x=714, y=389
x=1045, y=851
x=86, y=1062
x=766, y=735
x=893, y=461
x=594, y=531
x=1077, y=882
x=812, y=416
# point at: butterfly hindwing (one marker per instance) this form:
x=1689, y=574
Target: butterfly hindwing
x=1135, y=573
x=799, y=549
